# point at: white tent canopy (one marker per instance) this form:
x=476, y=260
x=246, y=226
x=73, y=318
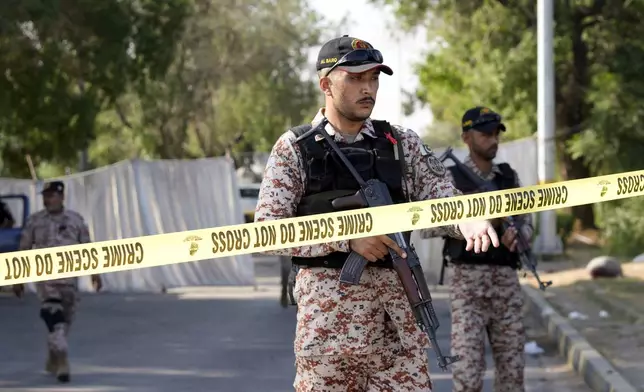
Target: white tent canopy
x=136, y=198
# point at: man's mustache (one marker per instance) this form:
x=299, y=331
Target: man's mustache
x=368, y=99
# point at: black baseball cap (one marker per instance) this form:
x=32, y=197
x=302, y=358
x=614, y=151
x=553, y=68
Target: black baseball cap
x=53, y=186
x=482, y=119
x=363, y=56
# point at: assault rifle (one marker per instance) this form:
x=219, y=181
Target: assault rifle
x=523, y=245
x=374, y=193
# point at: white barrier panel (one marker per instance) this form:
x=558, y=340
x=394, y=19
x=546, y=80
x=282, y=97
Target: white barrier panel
x=136, y=198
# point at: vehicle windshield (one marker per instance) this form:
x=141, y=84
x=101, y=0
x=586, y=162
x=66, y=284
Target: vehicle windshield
x=249, y=193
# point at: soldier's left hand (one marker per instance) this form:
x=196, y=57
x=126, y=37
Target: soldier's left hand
x=509, y=238
x=479, y=235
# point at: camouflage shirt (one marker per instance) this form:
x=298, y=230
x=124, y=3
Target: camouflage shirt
x=333, y=318
x=526, y=219
x=285, y=179
x=45, y=230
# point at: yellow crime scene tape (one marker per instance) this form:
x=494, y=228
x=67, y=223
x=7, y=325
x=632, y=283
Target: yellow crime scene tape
x=194, y=245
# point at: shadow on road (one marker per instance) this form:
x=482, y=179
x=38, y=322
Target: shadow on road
x=230, y=339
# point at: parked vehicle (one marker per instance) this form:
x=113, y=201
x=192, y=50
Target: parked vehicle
x=249, y=194
x=10, y=236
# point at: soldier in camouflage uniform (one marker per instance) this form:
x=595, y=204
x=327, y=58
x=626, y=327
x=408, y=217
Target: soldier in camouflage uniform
x=355, y=337
x=484, y=288
x=56, y=226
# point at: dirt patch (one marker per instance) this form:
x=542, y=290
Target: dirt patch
x=610, y=312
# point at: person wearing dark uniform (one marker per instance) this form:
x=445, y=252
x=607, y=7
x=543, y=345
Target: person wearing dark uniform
x=484, y=288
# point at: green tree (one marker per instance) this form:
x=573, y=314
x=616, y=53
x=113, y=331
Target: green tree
x=235, y=83
x=485, y=52
x=63, y=63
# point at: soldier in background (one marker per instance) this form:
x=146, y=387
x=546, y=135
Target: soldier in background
x=51, y=227
x=484, y=288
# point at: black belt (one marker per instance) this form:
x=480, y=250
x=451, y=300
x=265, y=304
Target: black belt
x=502, y=263
x=339, y=264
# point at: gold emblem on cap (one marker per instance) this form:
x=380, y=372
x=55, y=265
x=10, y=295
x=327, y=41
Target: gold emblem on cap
x=359, y=44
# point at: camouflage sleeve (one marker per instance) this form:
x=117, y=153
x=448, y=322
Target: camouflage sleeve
x=27, y=235
x=438, y=231
x=83, y=231
x=280, y=193
x=429, y=179
x=527, y=227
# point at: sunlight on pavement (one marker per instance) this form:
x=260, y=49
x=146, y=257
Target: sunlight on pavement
x=142, y=371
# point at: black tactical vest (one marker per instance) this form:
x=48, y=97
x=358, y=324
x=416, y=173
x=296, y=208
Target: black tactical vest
x=455, y=249
x=327, y=178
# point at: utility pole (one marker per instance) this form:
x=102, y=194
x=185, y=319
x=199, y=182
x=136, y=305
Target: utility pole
x=548, y=241
x=83, y=164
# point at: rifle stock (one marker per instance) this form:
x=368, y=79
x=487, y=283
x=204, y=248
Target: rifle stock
x=523, y=245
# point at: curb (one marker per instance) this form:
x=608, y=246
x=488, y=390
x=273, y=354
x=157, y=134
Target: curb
x=595, y=370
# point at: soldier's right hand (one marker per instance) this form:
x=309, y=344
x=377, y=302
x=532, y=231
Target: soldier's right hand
x=375, y=248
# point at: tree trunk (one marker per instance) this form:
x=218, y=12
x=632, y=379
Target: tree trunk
x=575, y=112
x=584, y=215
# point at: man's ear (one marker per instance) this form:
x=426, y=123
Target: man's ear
x=325, y=85
x=465, y=136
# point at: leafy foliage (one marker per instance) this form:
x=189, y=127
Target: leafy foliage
x=485, y=52
x=64, y=62
x=150, y=79
x=234, y=84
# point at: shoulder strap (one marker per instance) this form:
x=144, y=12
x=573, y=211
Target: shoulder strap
x=457, y=174
x=506, y=169
x=304, y=137
x=300, y=130
x=507, y=178
x=382, y=127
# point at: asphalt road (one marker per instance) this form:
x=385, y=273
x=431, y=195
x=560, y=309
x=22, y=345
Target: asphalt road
x=235, y=339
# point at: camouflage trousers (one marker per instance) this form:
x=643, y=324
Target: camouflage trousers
x=487, y=299
x=390, y=368
x=384, y=372
x=58, y=298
